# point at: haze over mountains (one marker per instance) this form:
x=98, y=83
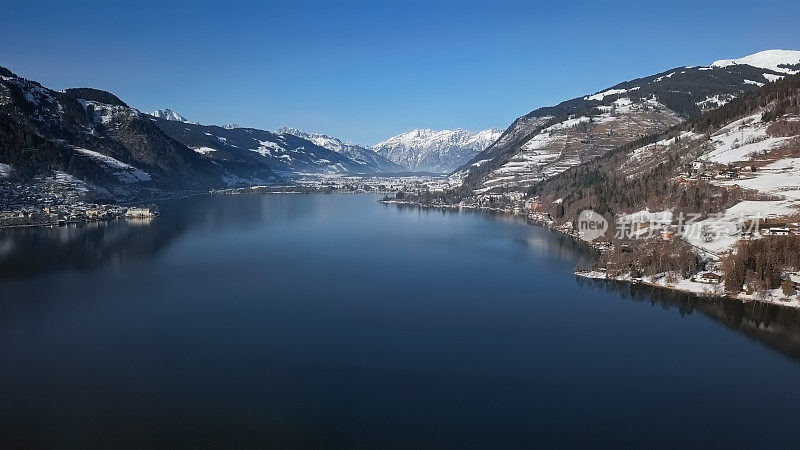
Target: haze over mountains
x=102, y=145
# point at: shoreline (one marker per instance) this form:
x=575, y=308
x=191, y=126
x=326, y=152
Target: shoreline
x=688, y=286
x=683, y=285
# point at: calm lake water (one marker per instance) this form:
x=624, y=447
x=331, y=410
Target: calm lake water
x=333, y=321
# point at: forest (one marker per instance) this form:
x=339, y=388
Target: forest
x=758, y=264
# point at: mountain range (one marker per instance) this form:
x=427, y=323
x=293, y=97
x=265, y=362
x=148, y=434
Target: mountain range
x=105, y=147
x=92, y=143
x=371, y=161
x=435, y=151
x=549, y=140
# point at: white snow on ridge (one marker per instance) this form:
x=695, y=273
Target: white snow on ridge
x=669, y=75
x=124, y=172
x=364, y=157
x=204, y=150
x=714, y=101
x=169, y=114
x=767, y=59
x=5, y=170
x=435, y=151
x=772, y=77
x=601, y=95
x=267, y=147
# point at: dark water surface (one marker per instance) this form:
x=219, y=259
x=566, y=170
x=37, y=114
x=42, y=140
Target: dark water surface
x=330, y=321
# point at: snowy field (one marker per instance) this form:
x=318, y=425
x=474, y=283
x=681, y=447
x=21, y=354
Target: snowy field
x=124, y=172
x=741, y=140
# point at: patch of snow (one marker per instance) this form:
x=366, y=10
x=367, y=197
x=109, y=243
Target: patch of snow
x=714, y=101
x=267, y=147
x=124, y=172
x=204, y=150
x=601, y=95
x=742, y=139
x=664, y=76
x=725, y=225
x=771, y=77
x=781, y=178
x=753, y=82
x=767, y=59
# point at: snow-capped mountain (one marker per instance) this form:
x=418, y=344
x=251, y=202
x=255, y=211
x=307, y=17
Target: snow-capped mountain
x=249, y=148
x=102, y=146
x=168, y=114
x=549, y=140
x=740, y=160
x=371, y=161
x=442, y=151
x=787, y=61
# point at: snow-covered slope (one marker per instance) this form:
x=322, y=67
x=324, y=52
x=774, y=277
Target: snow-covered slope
x=249, y=148
x=168, y=114
x=435, y=151
x=787, y=61
x=93, y=136
x=549, y=140
x=370, y=161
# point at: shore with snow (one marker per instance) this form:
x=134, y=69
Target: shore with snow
x=689, y=286
x=700, y=289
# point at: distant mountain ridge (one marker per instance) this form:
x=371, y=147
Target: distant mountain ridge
x=425, y=150
x=169, y=114
x=278, y=153
x=284, y=153
x=369, y=159
x=787, y=61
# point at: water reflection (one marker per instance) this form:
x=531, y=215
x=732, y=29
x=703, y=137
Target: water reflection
x=775, y=326
x=29, y=252
x=331, y=317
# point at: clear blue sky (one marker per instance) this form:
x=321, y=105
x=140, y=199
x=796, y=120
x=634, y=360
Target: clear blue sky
x=363, y=71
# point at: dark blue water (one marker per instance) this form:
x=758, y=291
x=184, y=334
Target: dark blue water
x=330, y=321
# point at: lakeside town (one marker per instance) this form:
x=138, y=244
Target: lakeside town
x=61, y=200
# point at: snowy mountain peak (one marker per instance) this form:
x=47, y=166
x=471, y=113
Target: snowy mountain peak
x=305, y=135
x=370, y=160
x=424, y=136
x=787, y=61
x=168, y=114
x=426, y=150
x=231, y=126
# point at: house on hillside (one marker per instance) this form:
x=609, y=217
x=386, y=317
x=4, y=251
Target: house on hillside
x=778, y=231
x=708, y=277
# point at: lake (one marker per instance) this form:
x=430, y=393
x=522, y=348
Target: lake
x=335, y=321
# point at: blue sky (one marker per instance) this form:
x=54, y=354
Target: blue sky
x=364, y=71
